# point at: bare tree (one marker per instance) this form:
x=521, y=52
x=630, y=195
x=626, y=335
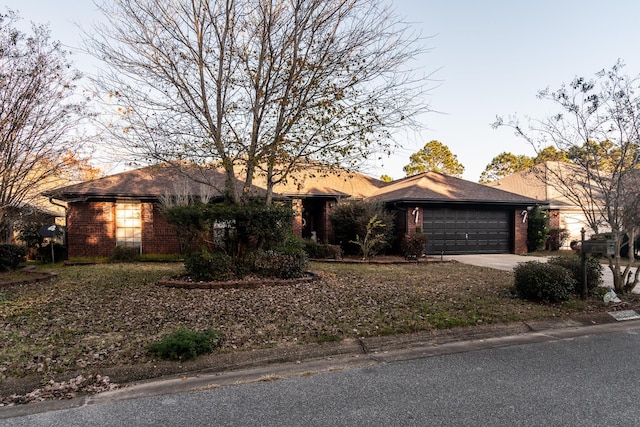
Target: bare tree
x=598, y=127
x=39, y=108
x=258, y=86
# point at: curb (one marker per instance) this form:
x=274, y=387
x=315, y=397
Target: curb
x=348, y=354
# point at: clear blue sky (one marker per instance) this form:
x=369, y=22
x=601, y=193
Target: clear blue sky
x=490, y=58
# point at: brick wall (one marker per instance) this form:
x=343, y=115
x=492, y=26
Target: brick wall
x=520, y=232
x=158, y=236
x=91, y=230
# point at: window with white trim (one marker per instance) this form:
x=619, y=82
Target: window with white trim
x=129, y=224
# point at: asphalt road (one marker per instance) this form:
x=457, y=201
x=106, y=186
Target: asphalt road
x=587, y=379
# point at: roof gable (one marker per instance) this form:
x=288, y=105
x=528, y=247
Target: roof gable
x=438, y=187
x=546, y=182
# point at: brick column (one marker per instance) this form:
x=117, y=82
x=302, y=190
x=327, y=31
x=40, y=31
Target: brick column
x=412, y=214
x=296, y=205
x=520, y=231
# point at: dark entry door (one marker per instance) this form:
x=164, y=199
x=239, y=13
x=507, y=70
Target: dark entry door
x=467, y=231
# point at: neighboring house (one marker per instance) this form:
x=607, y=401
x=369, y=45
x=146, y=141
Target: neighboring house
x=458, y=216
x=541, y=183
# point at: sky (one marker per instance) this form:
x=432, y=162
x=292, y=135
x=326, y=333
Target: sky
x=486, y=58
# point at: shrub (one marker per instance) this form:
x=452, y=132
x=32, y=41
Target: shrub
x=557, y=237
x=537, y=230
x=351, y=218
x=11, y=256
x=207, y=266
x=185, y=344
x=281, y=265
x=125, y=253
x=412, y=246
x=543, y=282
x=321, y=250
x=326, y=251
x=574, y=265
x=236, y=229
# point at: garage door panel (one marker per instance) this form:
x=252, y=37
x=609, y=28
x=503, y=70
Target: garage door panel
x=467, y=230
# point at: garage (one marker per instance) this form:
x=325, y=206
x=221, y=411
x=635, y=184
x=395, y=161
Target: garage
x=458, y=216
x=468, y=230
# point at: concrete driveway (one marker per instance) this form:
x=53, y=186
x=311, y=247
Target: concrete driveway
x=507, y=262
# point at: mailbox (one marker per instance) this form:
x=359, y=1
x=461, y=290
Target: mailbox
x=600, y=247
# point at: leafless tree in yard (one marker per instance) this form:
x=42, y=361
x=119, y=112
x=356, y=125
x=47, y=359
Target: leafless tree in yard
x=258, y=87
x=39, y=111
x=598, y=126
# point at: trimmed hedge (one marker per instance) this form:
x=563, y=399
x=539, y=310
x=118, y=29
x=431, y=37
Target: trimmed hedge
x=574, y=265
x=543, y=282
x=207, y=266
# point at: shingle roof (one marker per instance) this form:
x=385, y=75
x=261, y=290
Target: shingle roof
x=541, y=182
x=318, y=180
x=148, y=183
x=437, y=187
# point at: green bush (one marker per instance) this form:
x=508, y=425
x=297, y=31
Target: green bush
x=235, y=229
x=413, y=246
x=11, y=256
x=537, y=229
x=574, y=265
x=350, y=220
x=125, y=253
x=537, y=281
x=280, y=265
x=185, y=344
x=321, y=250
x=208, y=266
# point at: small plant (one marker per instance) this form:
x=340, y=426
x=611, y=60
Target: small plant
x=537, y=281
x=557, y=238
x=373, y=239
x=185, y=344
x=412, y=246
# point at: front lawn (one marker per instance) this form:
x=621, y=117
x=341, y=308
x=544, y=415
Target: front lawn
x=97, y=316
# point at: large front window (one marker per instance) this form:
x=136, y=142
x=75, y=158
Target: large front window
x=129, y=224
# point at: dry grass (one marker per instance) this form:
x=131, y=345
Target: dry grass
x=98, y=316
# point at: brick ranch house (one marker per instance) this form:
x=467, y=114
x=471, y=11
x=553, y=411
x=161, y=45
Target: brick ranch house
x=459, y=216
